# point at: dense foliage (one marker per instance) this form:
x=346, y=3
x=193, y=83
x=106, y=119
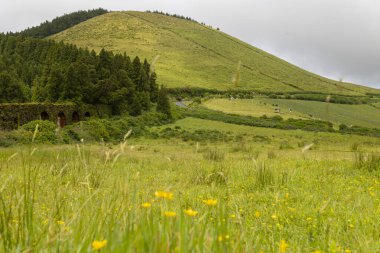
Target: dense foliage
x=62, y=23
x=45, y=71
x=91, y=130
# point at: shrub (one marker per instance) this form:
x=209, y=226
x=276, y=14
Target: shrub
x=6, y=140
x=47, y=131
x=197, y=100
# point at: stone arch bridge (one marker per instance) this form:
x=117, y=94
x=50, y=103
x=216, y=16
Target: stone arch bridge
x=14, y=115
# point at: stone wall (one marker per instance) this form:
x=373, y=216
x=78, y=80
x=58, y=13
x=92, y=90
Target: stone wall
x=14, y=115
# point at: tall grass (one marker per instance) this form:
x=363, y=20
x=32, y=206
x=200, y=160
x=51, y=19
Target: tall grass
x=369, y=162
x=63, y=198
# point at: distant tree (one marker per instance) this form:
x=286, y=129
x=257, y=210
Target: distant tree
x=163, y=103
x=71, y=87
x=134, y=106
x=11, y=89
x=135, y=70
x=144, y=100
x=153, y=87
x=54, y=83
x=61, y=23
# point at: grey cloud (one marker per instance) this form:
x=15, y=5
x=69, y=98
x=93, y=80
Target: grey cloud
x=334, y=38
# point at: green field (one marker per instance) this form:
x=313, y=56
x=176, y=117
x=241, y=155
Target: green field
x=194, y=55
x=250, y=107
x=361, y=115
x=272, y=194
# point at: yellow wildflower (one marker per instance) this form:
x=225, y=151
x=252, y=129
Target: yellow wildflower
x=170, y=214
x=274, y=216
x=164, y=195
x=98, y=245
x=283, y=246
x=210, y=202
x=190, y=212
x=317, y=251
x=220, y=238
x=146, y=205
x=348, y=251
x=257, y=214
x=60, y=222
x=232, y=216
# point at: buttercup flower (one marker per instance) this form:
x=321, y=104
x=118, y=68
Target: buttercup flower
x=164, y=195
x=170, y=214
x=190, y=212
x=146, y=205
x=98, y=245
x=283, y=246
x=210, y=202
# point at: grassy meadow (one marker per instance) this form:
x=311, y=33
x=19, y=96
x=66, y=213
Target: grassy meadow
x=267, y=190
x=194, y=55
x=361, y=115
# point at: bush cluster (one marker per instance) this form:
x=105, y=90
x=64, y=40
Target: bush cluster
x=91, y=130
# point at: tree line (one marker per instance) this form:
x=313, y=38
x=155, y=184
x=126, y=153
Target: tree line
x=36, y=70
x=173, y=15
x=61, y=23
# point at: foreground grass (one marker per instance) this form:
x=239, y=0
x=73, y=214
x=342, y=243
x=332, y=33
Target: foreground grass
x=65, y=198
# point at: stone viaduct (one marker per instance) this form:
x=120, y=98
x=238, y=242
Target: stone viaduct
x=14, y=115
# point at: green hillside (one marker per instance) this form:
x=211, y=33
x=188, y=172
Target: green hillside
x=191, y=54
x=365, y=115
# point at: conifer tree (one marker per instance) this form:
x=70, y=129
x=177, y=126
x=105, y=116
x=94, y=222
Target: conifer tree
x=163, y=103
x=134, y=106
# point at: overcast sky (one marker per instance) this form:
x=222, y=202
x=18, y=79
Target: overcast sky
x=339, y=39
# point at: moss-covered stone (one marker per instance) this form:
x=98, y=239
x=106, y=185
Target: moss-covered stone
x=14, y=115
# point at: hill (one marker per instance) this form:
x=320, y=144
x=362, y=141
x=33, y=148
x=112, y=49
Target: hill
x=194, y=55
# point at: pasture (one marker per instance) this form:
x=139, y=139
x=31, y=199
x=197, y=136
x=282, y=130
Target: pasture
x=365, y=115
x=266, y=190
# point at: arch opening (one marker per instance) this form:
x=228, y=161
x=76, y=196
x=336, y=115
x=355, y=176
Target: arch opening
x=87, y=115
x=61, y=120
x=44, y=115
x=75, y=117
